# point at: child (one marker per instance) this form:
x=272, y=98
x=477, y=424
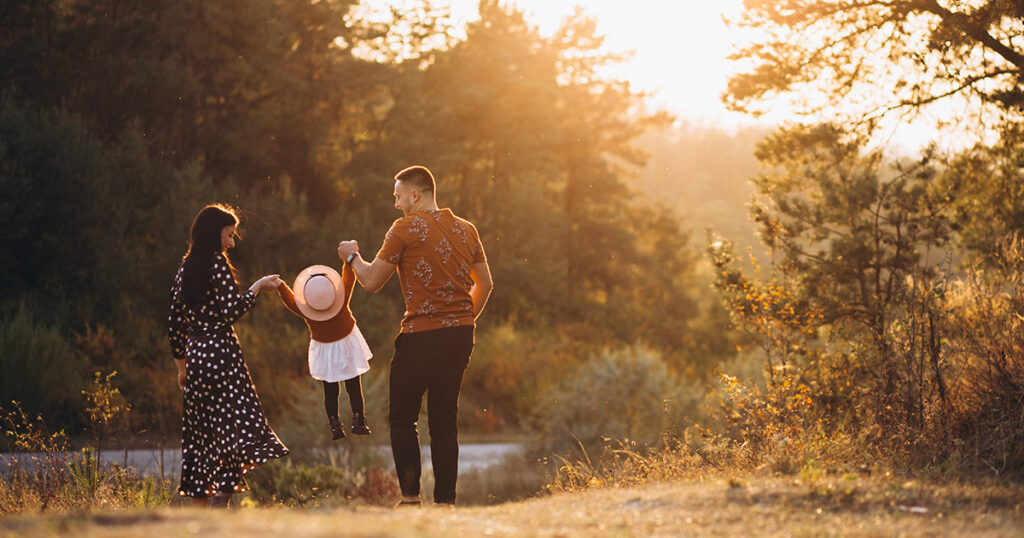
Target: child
x=337, y=350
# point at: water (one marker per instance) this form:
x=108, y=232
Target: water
x=168, y=461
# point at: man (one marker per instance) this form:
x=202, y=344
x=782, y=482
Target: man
x=445, y=282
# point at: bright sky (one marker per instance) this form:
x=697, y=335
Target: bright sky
x=680, y=46
x=680, y=53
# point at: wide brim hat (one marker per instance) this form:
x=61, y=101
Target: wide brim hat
x=319, y=292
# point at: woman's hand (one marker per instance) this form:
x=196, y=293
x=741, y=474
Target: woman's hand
x=181, y=373
x=268, y=282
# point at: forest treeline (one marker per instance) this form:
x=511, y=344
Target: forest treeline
x=876, y=316
x=118, y=120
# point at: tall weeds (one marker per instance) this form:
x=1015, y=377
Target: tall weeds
x=44, y=475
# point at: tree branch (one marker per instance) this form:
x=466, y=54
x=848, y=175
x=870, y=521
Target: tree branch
x=972, y=29
x=916, y=103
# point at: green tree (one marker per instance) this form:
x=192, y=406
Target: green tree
x=862, y=261
x=601, y=119
x=252, y=90
x=40, y=370
x=530, y=143
x=983, y=184
x=50, y=166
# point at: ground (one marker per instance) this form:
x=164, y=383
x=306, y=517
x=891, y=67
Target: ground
x=758, y=506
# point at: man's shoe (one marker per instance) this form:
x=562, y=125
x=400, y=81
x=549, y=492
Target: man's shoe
x=408, y=504
x=359, y=426
x=337, y=431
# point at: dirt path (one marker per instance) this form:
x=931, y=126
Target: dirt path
x=758, y=507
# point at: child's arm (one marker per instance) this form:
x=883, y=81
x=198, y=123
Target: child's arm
x=348, y=278
x=288, y=298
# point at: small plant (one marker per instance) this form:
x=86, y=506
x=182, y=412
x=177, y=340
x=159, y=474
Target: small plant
x=44, y=476
x=106, y=407
x=34, y=478
x=86, y=477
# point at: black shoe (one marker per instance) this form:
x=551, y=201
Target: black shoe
x=359, y=426
x=337, y=430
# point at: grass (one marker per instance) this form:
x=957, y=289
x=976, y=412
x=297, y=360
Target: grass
x=751, y=505
x=714, y=489
x=662, y=493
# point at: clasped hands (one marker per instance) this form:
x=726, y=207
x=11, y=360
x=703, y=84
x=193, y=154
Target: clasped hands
x=267, y=282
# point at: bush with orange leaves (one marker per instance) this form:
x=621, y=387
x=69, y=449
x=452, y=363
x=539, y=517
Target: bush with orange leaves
x=849, y=317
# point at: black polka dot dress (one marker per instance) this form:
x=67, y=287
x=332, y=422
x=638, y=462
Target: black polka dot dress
x=224, y=433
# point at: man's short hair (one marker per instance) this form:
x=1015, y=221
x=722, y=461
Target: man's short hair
x=417, y=177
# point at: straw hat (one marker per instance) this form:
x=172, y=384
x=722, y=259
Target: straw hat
x=319, y=292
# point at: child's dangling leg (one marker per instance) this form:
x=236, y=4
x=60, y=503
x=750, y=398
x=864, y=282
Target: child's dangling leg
x=355, y=398
x=331, y=393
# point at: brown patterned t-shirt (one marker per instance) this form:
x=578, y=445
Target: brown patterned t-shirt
x=434, y=251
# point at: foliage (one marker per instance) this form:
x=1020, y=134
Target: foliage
x=50, y=164
x=704, y=173
x=874, y=348
x=509, y=370
x=987, y=197
x=872, y=337
x=39, y=368
x=283, y=482
x=860, y=259
x=984, y=428
x=880, y=57
x=44, y=476
x=30, y=435
x=618, y=394
x=106, y=408
x=516, y=478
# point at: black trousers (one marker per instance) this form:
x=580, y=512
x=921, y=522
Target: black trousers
x=355, y=396
x=431, y=363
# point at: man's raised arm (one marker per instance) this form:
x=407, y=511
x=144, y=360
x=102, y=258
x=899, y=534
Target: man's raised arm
x=372, y=276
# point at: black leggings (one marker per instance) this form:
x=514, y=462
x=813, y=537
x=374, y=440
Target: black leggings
x=355, y=396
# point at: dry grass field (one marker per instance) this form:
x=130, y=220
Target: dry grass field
x=756, y=506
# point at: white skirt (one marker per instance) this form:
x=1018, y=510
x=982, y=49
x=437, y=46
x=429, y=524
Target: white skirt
x=341, y=359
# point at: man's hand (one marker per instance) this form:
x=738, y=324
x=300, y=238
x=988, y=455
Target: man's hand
x=347, y=247
x=482, y=286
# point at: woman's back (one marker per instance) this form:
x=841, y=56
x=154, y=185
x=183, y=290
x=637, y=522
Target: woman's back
x=221, y=306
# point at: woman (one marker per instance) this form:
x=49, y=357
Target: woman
x=224, y=433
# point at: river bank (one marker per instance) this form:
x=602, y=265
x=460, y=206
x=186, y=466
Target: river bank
x=167, y=462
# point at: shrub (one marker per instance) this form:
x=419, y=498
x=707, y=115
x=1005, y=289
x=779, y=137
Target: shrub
x=311, y=485
x=618, y=394
x=509, y=369
x=39, y=369
x=986, y=333
x=46, y=477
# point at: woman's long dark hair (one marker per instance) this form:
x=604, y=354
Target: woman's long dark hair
x=203, y=245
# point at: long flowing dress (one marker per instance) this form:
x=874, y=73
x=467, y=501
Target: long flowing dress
x=224, y=433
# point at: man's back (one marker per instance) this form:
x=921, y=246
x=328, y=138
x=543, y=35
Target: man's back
x=434, y=252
